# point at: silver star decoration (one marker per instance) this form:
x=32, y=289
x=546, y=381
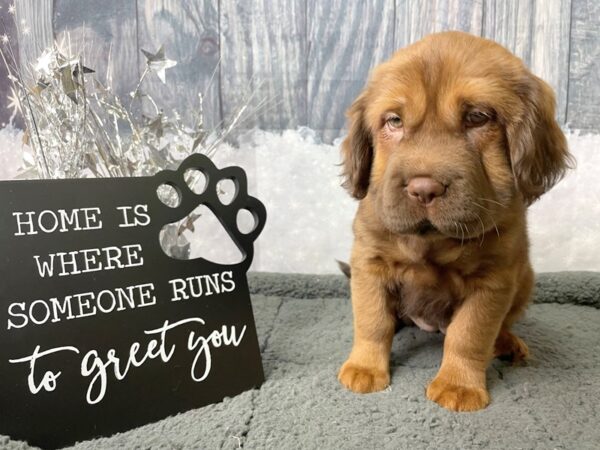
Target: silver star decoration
x=69, y=83
x=44, y=62
x=13, y=103
x=68, y=74
x=158, y=63
x=81, y=68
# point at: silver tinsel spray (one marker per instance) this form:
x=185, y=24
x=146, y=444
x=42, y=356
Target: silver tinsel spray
x=77, y=127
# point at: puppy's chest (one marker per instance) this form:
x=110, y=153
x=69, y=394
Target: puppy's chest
x=428, y=296
x=428, y=281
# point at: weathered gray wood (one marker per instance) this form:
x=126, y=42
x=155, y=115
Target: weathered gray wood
x=537, y=32
x=105, y=32
x=189, y=32
x=584, y=76
x=550, y=49
x=34, y=30
x=416, y=18
x=9, y=28
x=509, y=22
x=263, y=53
x=309, y=58
x=346, y=39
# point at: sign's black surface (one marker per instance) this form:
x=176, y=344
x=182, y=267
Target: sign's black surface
x=100, y=330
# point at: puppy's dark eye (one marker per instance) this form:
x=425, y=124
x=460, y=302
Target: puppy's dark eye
x=394, y=122
x=476, y=119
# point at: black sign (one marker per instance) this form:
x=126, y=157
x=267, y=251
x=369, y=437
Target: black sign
x=100, y=330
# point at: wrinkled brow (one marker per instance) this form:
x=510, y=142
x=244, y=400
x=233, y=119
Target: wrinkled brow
x=487, y=93
x=408, y=102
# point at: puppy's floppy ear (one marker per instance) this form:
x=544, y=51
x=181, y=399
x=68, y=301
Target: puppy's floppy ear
x=538, y=148
x=357, y=151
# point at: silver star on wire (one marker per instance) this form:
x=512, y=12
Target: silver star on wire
x=12, y=9
x=14, y=104
x=158, y=63
x=44, y=62
x=69, y=74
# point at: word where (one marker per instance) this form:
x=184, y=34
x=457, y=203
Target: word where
x=89, y=260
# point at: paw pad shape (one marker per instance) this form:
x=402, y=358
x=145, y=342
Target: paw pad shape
x=226, y=210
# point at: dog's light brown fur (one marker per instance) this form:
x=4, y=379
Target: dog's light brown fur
x=475, y=264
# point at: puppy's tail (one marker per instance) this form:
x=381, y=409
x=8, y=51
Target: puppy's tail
x=344, y=267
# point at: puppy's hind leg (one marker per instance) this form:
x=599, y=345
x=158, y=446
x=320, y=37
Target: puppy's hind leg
x=510, y=347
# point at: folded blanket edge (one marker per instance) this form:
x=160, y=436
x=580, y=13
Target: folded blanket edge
x=578, y=288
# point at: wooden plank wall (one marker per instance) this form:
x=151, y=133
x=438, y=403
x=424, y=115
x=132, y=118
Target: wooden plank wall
x=345, y=38
x=583, y=101
x=8, y=27
x=189, y=30
x=538, y=32
x=310, y=58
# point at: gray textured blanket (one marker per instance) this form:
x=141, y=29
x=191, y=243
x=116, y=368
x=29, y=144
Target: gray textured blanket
x=304, y=326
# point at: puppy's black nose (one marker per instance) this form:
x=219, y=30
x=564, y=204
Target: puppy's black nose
x=424, y=189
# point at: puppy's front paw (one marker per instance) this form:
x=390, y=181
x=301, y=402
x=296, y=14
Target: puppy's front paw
x=363, y=379
x=457, y=398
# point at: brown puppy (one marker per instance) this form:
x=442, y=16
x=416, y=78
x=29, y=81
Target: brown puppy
x=449, y=142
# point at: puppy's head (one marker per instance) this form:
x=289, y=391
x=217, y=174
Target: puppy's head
x=449, y=133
